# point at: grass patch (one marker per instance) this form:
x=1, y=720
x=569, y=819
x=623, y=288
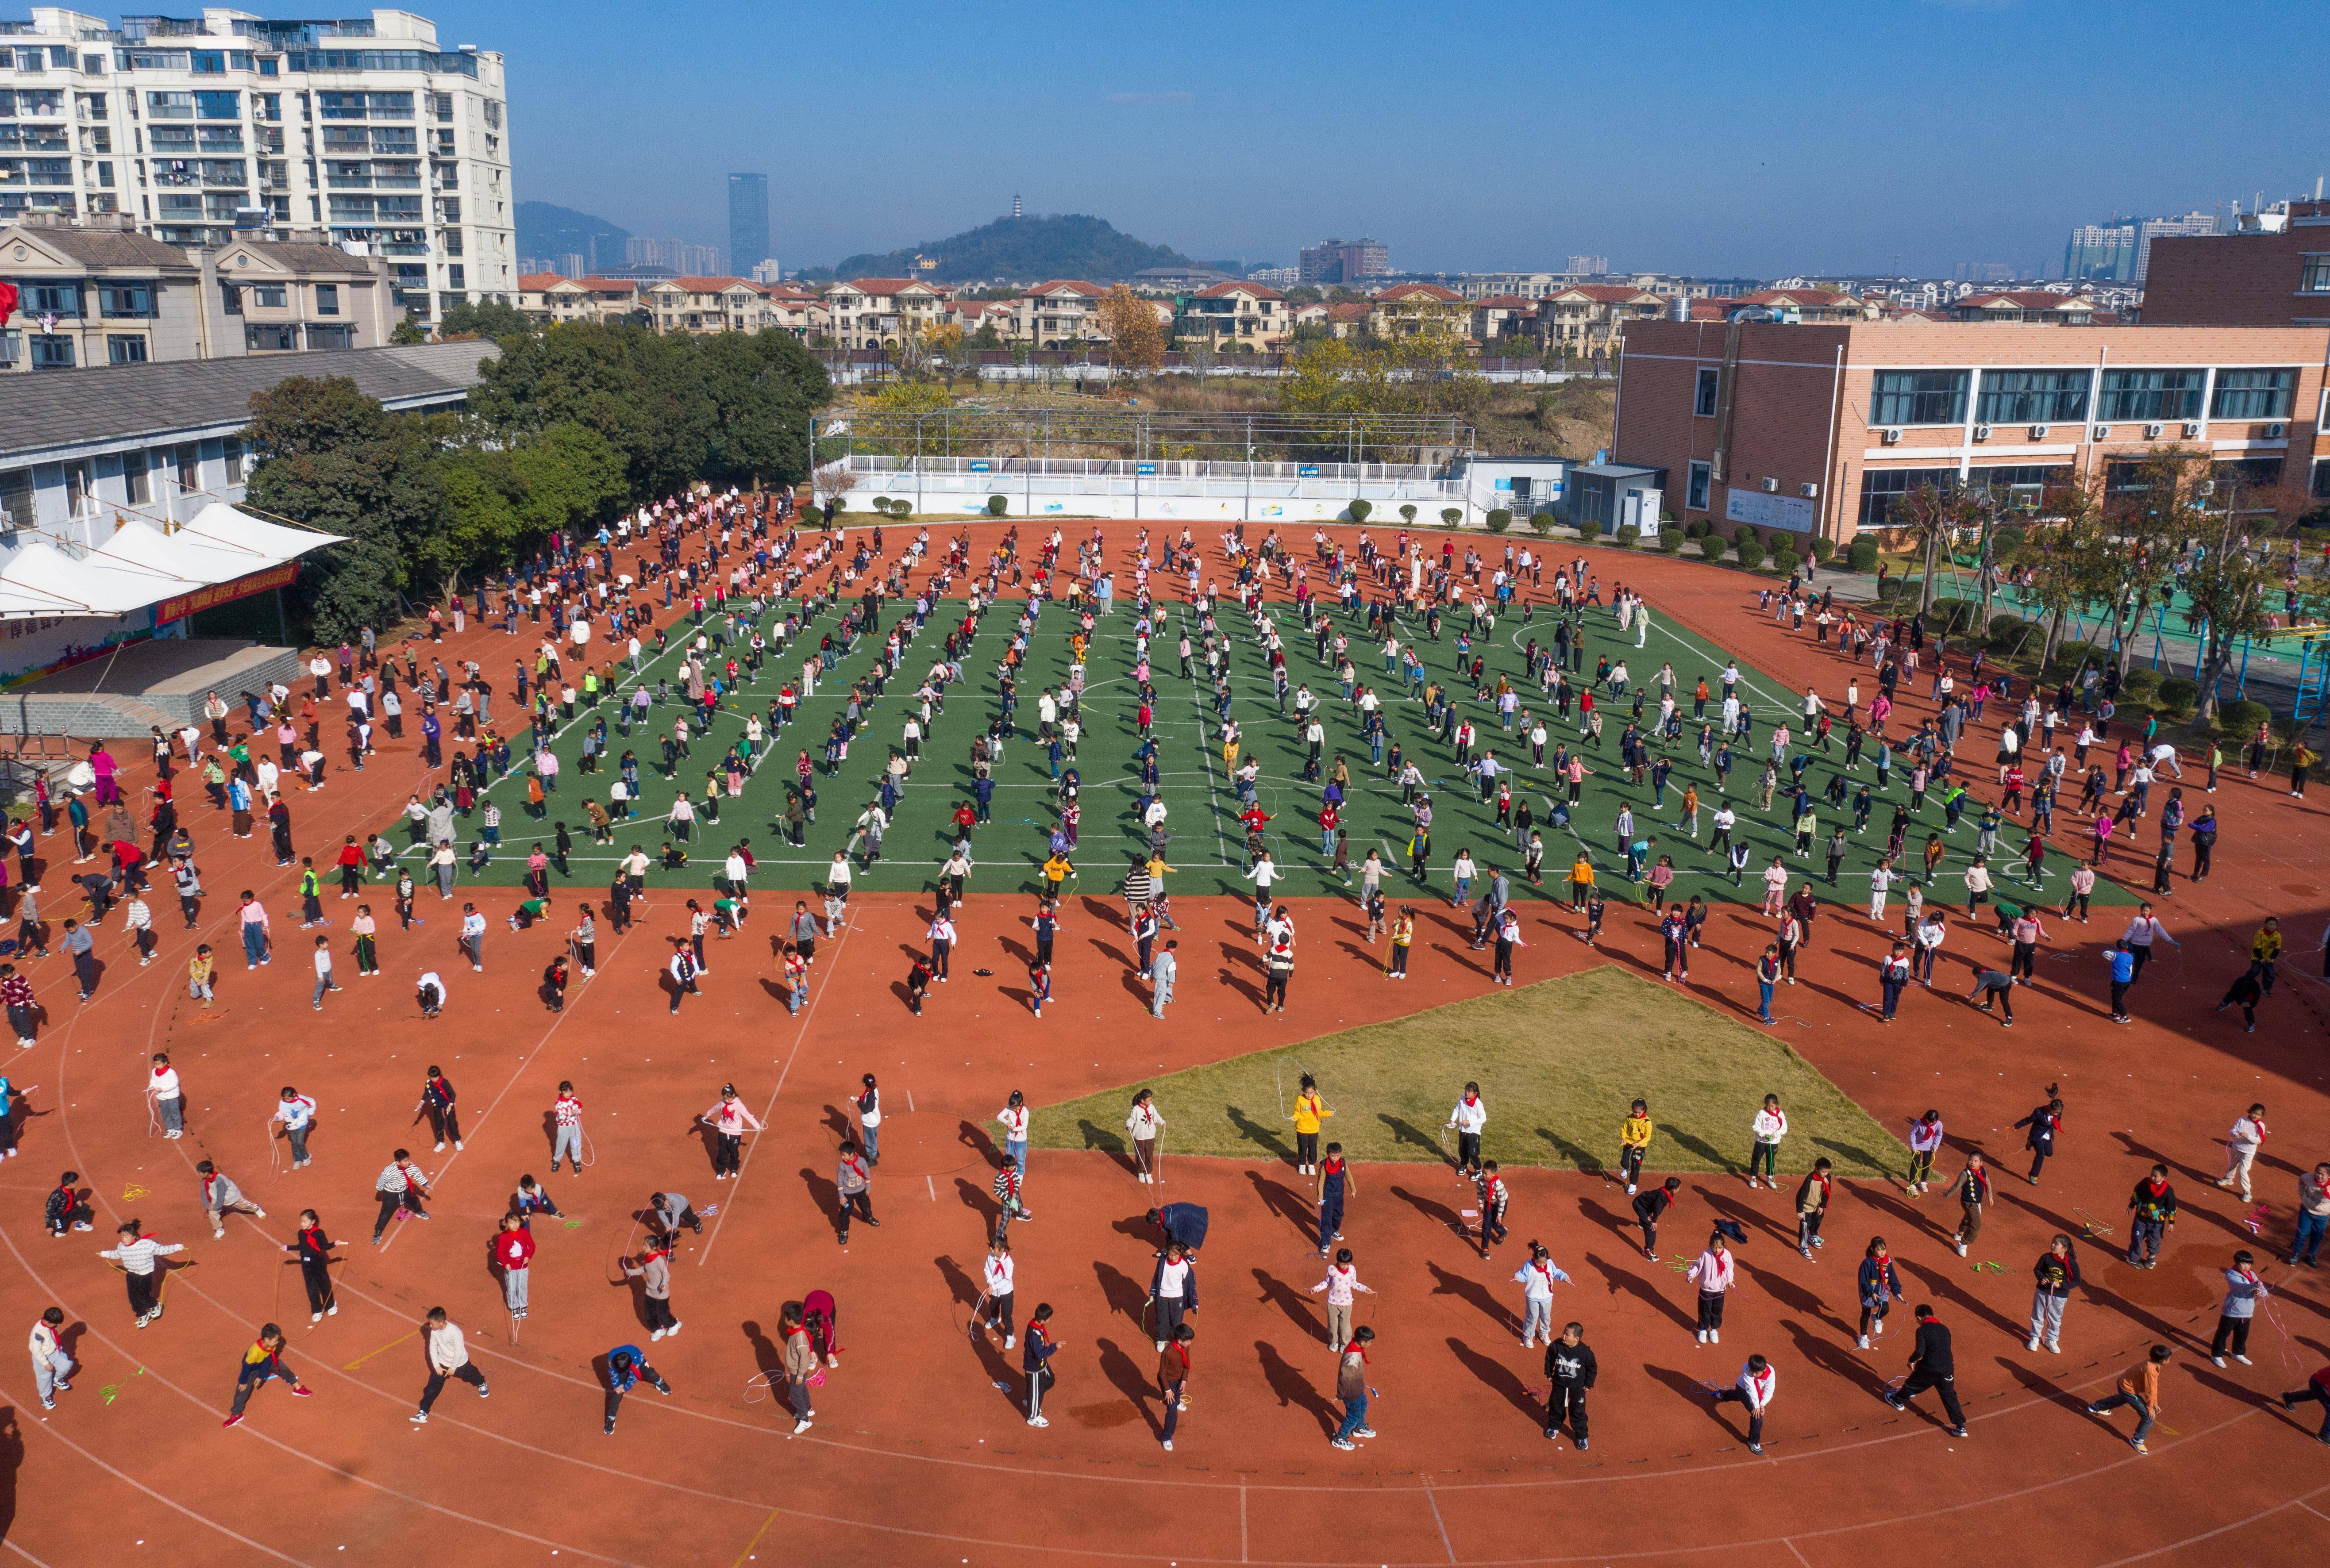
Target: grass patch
x=1557, y=1062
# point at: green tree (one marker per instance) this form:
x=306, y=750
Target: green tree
x=488, y=318
x=335, y=459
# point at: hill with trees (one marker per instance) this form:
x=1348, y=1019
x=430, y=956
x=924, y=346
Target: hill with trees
x=1056, y=245
x=546, y=232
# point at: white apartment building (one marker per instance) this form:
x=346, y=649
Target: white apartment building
x=195, y=127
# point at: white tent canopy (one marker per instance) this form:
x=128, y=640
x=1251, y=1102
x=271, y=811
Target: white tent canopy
x=97, y=584
x=222, y=523
x=143, y=564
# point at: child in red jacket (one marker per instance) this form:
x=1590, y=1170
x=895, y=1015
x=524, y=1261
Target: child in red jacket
x=513, y=1251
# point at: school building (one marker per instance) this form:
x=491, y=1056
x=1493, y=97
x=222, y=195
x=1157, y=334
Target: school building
x=1821, y=430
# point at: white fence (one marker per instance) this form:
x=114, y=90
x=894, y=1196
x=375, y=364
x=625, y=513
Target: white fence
x=1216, y=492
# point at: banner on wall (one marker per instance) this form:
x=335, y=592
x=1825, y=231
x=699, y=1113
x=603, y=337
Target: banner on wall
x=1760, y=510
x=219, y=594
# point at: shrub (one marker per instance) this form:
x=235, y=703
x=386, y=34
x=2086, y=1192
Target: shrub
x=882, y=505
x=1670, y=540
x=2006, y=630
x=1751, y=550
x=2178, y=693
x=2005, y=543
x=2240, y=720
x=1499, y=520
x=1627, y=535
x=1695, y=529
x=1823, y=549
x=1451, y=516
x=2139, y=686
x=1710, y=545
x=997, y=505
x=1786, y=561
x=1861, y=555
x=900, y=508
x=1949, y=616
x=1744, y=534
x=1360, y=510
x=1407, y=511
x=1545, y=523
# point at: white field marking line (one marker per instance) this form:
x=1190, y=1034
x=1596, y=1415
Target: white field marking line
x=738, y=714
x=527, y=1061
x=1221, y=844
x=124, y=1476
x=809, y=1013
x=1491, y=1486
x=295, y=1451
x=1447, y=1544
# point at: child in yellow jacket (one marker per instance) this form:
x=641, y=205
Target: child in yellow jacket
x=1634, y=1143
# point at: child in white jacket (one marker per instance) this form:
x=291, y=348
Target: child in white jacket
x=1537, y=1278
x=449, y=1357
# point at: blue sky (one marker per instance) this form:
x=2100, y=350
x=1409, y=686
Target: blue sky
x=1740, y=139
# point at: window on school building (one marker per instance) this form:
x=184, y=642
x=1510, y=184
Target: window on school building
x=1702, y=474
x=2032, y=397
x=2157, y=396
x=2249, y=475
x=2252, y=394
x=1881, y=490
x=1918, y=397
x=1710, y=381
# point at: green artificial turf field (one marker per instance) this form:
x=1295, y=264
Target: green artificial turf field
x=1206, y=849
x=1557, y=1064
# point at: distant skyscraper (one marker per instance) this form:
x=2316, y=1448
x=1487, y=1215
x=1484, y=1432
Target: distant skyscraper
x=2120, y=251
x=1015, y=203
x=748, y=222
x=1591, y=266
x=676, y=255
x=1344, y=260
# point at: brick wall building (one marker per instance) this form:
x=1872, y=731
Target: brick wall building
x=2276, y=274
x=1819, y=429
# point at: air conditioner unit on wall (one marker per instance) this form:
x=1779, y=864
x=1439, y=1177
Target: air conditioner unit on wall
x=1890, y=438
x=2103, y=432
x=2192, y=430
x=1808, y=489
x=2152, y=432
x=1982, y=432
x=1771, y=487
x=2037, y=432
x=2275, y=433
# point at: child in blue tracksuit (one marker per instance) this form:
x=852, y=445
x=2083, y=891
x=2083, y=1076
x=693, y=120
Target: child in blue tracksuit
x=530, y=1200
x=626, y=1368
x=1334, y=1181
